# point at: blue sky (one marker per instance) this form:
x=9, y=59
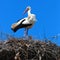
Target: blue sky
x=47, y=14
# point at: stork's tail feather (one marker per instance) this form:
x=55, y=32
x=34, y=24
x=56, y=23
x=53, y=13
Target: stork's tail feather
x=14, y=27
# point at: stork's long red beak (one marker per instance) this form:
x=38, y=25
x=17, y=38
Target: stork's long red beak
x=26, y=10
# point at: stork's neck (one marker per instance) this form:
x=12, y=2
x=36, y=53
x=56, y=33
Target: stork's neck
x=29, y=12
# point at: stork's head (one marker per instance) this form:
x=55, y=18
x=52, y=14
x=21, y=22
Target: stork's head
x=27, y=9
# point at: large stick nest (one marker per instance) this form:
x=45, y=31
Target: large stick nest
x=19, y=49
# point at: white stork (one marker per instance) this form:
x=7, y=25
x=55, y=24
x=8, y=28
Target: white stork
x=26, y=23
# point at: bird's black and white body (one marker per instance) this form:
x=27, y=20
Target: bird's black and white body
x=26, y=23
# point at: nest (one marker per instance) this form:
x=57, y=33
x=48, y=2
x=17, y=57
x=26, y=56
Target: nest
x=19, y=49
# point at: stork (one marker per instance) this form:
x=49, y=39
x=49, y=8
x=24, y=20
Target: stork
x=26, y=22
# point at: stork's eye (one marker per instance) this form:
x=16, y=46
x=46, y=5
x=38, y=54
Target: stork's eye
x=28, y=7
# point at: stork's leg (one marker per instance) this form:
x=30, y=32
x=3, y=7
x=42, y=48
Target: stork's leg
x=26, y=33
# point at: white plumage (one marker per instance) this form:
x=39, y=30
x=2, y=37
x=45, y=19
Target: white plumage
x=26, y=23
